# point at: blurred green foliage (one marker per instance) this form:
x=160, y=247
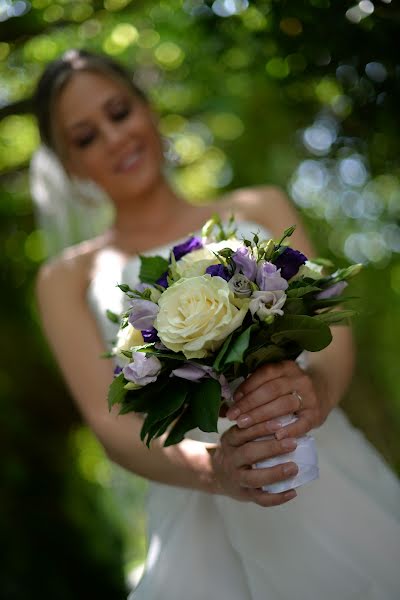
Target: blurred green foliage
x=298, y=93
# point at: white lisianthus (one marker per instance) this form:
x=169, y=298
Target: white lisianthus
x=264, y=304
x=309, y=269
x=127, y=338
x=197, y=315
x=233, y=244
x=195, y=263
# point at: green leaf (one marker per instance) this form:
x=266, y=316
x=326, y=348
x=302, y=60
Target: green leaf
x=112, y=316
x=239, y=346
x=309, y=333
x=295, y=306
x=267, y=354
x=151, y=268
x=205, y=402
x=335, y=316
x=300, y=291
x=116, y=391
x=164, y=405
x=219, y=360
x=333, y=301
x=185, y=423
x=139, y=400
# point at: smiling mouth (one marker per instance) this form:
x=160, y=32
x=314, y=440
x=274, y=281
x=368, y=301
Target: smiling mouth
x=130, y=161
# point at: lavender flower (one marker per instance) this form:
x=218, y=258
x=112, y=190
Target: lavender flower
x=143, y=313
x=245, y=263
x=334, y=290
x=289, y=262
x=195, y=372
x=143, y=370
x=269, y=278
x=193, y=243
x=219, y=271
x=240, y=286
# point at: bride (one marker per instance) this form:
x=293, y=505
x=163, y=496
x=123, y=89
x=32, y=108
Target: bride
x=210, y=535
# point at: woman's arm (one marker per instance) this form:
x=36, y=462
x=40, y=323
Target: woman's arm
x=77, y=345
x=268, y=393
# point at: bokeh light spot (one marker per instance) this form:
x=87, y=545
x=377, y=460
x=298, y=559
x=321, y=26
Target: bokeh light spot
x=277, y=67
x=148, y=38
x=169, y=55
x=53, y=13
x=226, y=126
x=35, y=246
x=4, y=50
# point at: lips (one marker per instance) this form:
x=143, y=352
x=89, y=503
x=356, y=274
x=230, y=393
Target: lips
x=129, y=161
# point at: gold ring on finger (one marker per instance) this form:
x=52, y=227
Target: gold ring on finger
x=300, y=399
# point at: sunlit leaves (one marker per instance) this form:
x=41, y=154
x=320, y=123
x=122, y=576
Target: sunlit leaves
x=18, y=139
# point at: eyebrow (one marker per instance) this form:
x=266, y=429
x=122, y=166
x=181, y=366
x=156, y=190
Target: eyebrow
x=84, y=123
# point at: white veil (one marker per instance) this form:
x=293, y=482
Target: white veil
x=67, y=211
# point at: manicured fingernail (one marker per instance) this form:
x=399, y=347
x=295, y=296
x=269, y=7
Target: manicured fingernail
x=282, y=433
x=244, y=421
x=272, y=426
x=290, y=469
x=289, y=495
x=233, y=414
x=238, y=396
x=289, y=444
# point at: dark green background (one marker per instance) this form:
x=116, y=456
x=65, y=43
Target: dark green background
x=301, y=94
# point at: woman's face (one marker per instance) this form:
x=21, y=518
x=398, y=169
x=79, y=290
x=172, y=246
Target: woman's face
x=108, y=134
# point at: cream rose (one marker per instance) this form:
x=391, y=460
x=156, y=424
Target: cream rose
x=195, y=263
x=127, y=338
x=309, y=269
x=197, y=315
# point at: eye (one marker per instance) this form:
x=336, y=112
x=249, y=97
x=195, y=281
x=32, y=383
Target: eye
x=85, y=140
x=121, y=112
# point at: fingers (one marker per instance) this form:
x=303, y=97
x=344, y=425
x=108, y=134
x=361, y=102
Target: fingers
x=277, y=408
x=237, y=436
x=266, y=373
x=253, y=452
x=257, y=478
x=265, y=499
x=260, y=396
x=303, y=425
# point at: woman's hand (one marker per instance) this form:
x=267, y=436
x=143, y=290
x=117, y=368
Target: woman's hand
x=232, y=465
x=273, y=391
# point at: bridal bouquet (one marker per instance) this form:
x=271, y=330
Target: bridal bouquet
x=210, y=315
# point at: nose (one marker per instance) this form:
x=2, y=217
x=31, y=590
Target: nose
x=113, y=135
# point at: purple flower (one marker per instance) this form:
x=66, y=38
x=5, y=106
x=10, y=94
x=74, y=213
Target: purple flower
x=269, y=278
x=193, y=243
x=334, y=290
x=117, y=371
x=289, y=262
x=150, y=335
x=143, y=313
x=245, y=263
x=143, y=370
x=163, y=280
x=219, y=271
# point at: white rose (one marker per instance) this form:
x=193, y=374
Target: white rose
x=195, y=263
x=127, y=338
x=309, y=269
x=264, y=304
x=197, y=315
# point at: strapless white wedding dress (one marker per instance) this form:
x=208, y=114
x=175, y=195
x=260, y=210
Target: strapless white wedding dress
x=338, y=540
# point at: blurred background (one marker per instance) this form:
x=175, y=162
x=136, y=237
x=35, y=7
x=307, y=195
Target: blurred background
x=303, y=94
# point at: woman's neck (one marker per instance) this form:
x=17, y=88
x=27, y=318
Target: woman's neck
x=148, y=220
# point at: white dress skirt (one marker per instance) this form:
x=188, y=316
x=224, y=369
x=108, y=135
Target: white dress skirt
x=338, y=540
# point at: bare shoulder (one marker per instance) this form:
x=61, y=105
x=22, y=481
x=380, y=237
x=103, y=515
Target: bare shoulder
x=264, y=204
x=69, y=272
x=269, y=206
